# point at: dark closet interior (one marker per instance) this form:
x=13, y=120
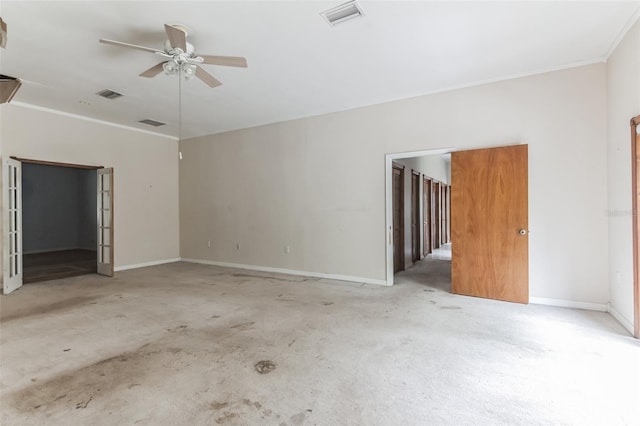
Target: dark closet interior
x=59, y=222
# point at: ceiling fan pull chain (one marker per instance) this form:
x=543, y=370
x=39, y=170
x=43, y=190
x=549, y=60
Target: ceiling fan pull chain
x=179, y=103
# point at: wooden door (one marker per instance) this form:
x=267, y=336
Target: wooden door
x=415, y=216
x=447, y=203
x=444, y=214
x=436, y=215
x=398, y=218
x=426, y=215
x=489, y=222
x=449, y=227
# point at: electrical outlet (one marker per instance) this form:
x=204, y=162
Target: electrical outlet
x=238, y=246
x=287, y=249
x=209, y=243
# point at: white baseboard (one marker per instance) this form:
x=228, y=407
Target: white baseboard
x=622, y=320
x=145, y=264
x=349, y=278
x=568, y=304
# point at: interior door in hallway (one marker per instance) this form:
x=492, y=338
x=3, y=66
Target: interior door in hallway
x=415, y=216
x=489, y=223
x=436, y=215
x=426, y=214
x=398, y=218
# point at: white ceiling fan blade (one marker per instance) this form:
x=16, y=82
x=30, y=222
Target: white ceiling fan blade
x=154, y=70
x=227, y=61
x=177, y=37
x=210, y=80
x=131, y=46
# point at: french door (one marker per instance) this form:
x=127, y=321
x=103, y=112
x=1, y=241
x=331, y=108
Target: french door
x=12, y=225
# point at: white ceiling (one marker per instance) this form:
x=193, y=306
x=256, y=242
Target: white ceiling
x=298, y=65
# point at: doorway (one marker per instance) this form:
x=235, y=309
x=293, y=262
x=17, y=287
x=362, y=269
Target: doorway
x=57, y=221
x=413, y=200
x=444, y=205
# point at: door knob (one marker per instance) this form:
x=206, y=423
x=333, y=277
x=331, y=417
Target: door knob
x=523, y=232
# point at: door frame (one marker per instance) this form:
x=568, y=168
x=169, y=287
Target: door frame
x=635, y=188
x=389, y=204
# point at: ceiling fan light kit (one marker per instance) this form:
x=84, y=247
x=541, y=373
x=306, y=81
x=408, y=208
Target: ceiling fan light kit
x=187, y=70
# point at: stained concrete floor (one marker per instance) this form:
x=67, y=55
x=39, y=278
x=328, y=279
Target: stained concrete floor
x=178, y=344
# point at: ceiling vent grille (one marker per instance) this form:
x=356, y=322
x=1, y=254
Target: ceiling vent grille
x=109, y=94
x=150, y=122
x=342, y=13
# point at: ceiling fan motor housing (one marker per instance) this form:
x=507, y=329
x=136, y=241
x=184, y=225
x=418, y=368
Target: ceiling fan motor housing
x=173, y=51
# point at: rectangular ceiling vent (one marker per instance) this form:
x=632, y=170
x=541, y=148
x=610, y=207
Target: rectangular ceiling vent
x=109, y=94
x=342, y=13
x=150, y=122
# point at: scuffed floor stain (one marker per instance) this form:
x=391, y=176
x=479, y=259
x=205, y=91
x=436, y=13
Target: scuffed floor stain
x=78, y=388
x=450, y=307
x=226, y=418
x=218, y=405
x=265, y=366
x=96, y=383
x=237, y=412
x=83, y=404
x=61, y=306
x=244, y=326
x=298, y=419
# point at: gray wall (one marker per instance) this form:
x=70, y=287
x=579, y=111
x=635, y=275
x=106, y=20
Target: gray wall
x=59, y=208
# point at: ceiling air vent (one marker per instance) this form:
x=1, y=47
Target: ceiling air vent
x=342, y=13
x=150, y=122
x=109, y=94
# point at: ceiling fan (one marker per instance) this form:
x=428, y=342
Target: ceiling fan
x=181, y=57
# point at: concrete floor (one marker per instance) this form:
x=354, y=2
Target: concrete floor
x=178, y=344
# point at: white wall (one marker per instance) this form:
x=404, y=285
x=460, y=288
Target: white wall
x=145, y=174
x=318, y=184
x=623, y=103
